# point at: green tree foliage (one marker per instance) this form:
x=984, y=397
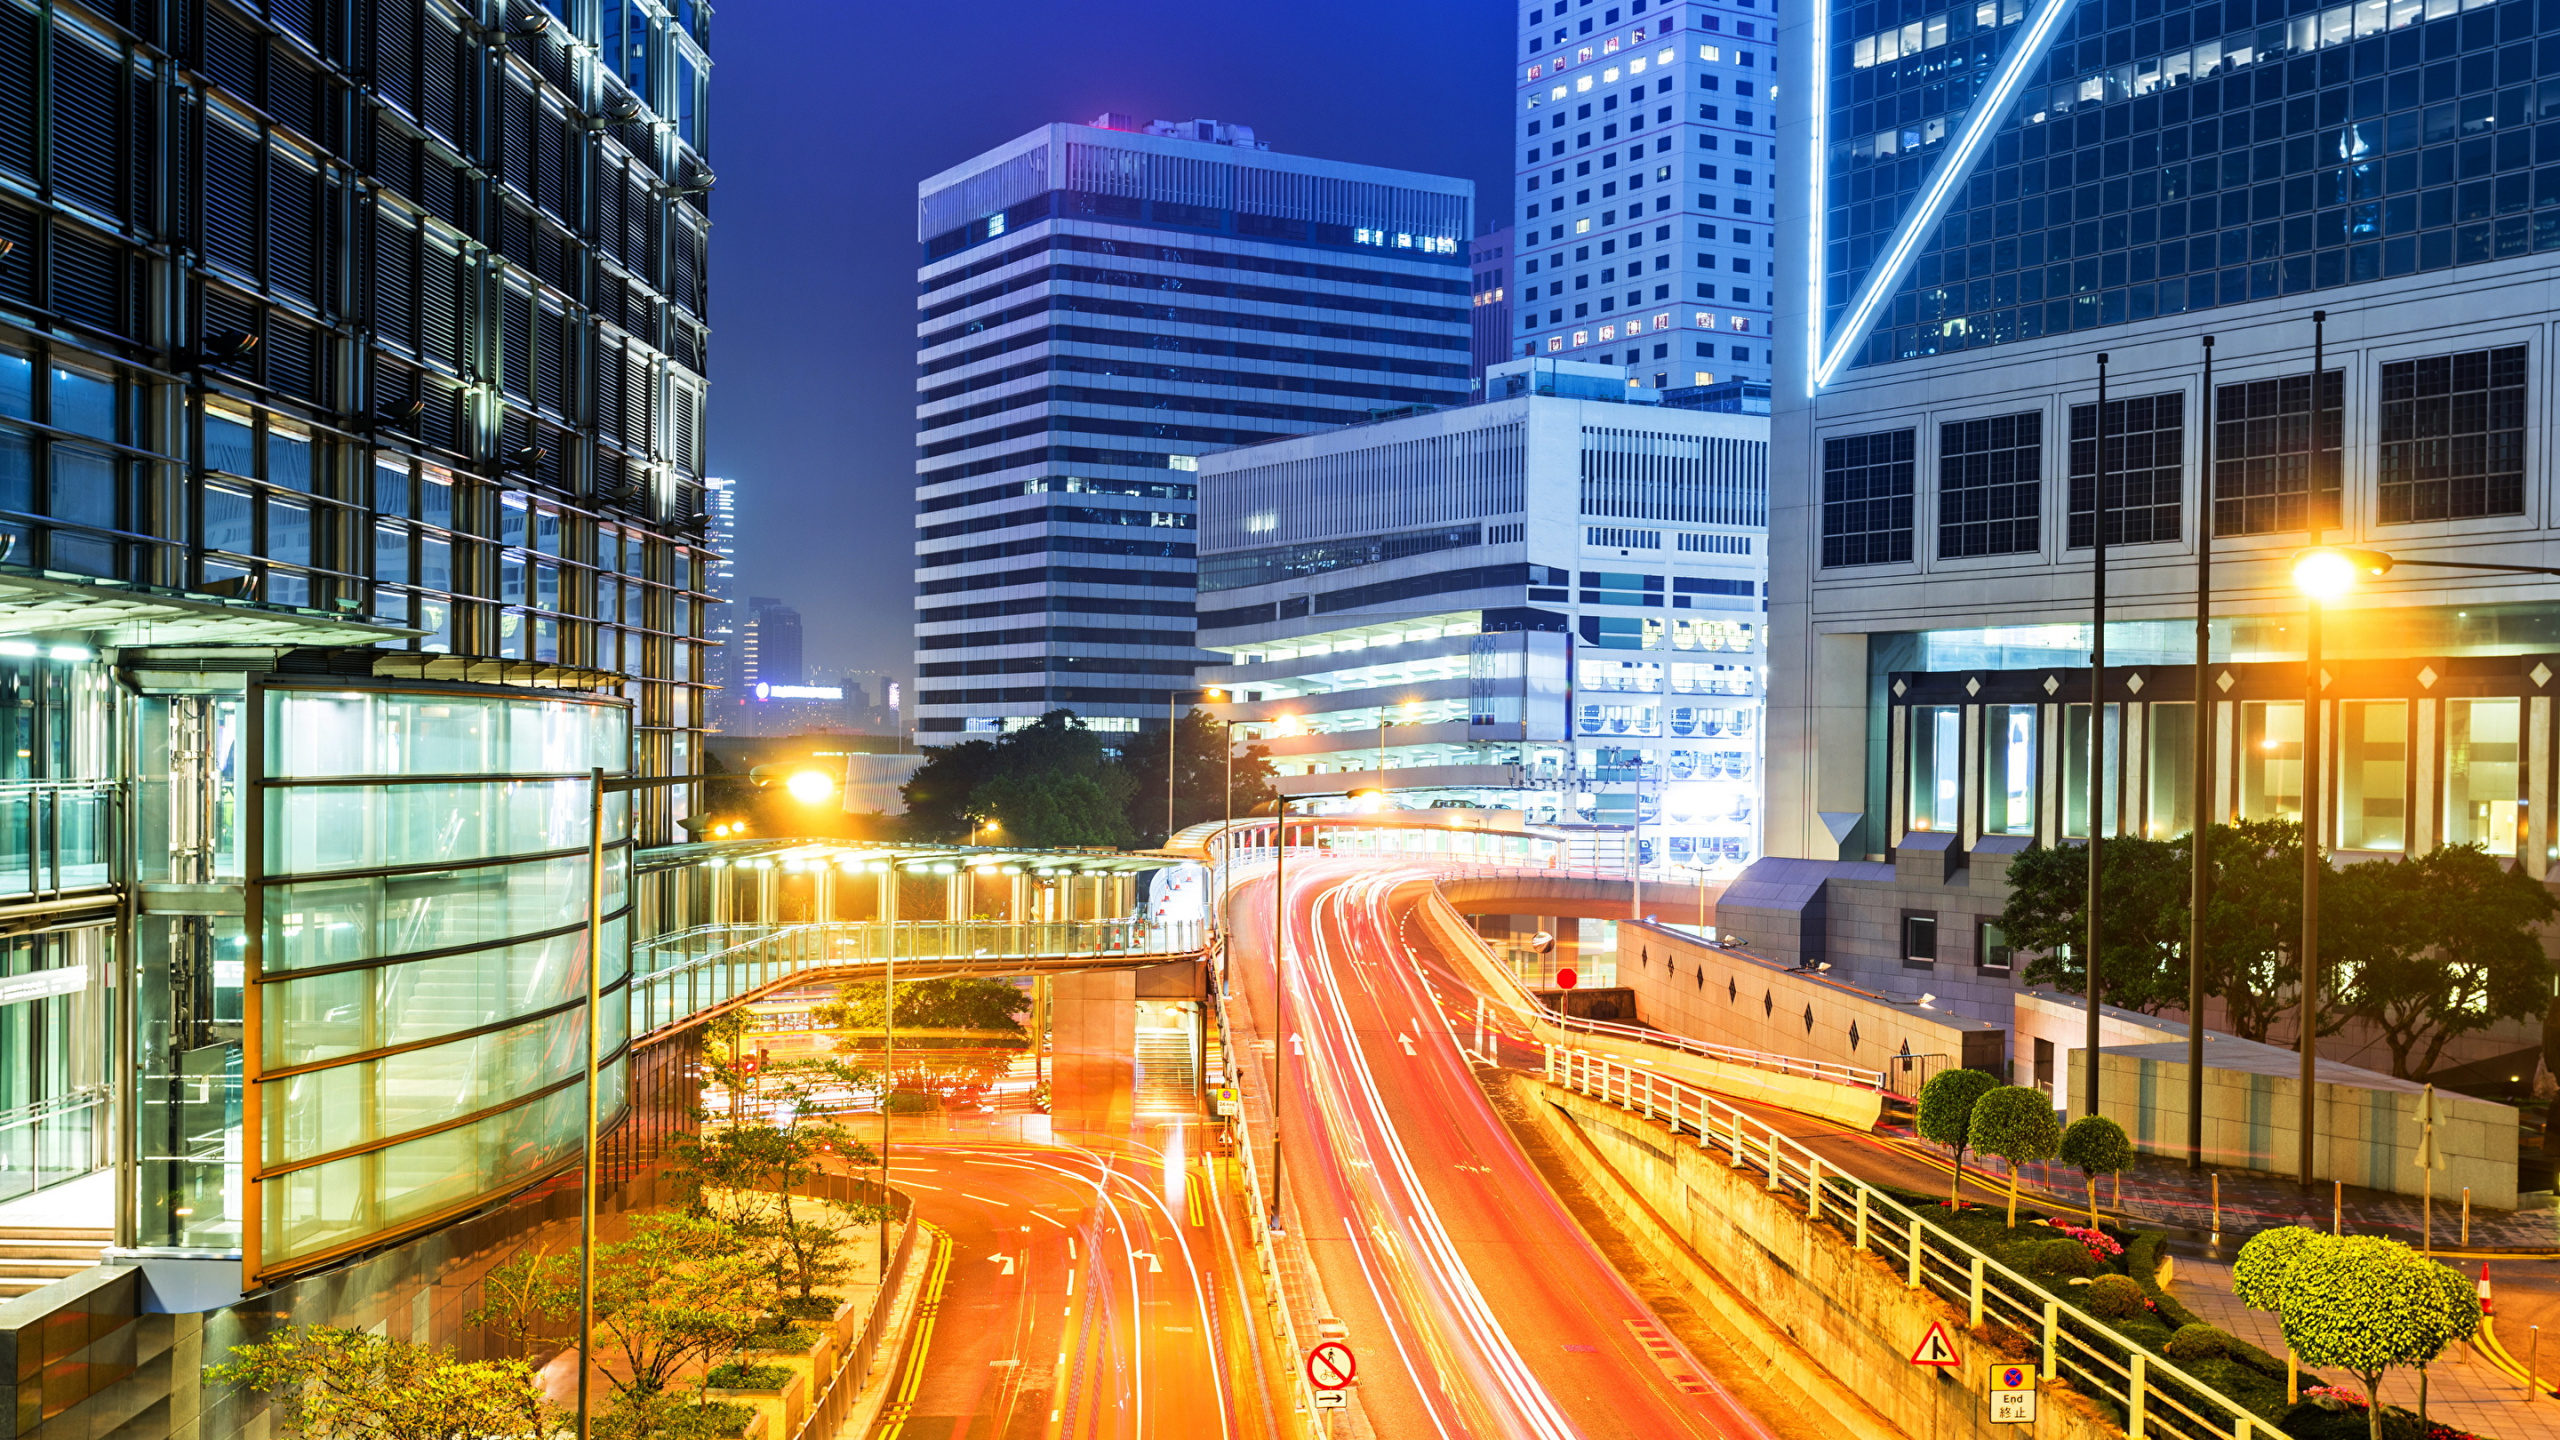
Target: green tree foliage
x=952, y=1003
x=2438, y=946
x=353, y=1385
x=1200, y=770
x=2367, y=1306
x=2146, y=888
x=2449, y=1307
x=678, y=1290
x=2095, y=1145
x=1050, y=783
x=1946, y=1116
x=2115, y=1297
x=2015, y=1122
x=745, y=1174
x=2258, y=1272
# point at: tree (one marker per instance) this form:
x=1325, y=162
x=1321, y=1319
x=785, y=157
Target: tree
x=1050, y=783
x=2015, y=1122
x=952, y=1003
x=1200, y=772
x=679, y=1289
x=2445, y=945
x=2146, y=885
x=744, y=1175
x=2365, y=1305
x=2449, y=1308
x=1946, y=1116
x=1057, y=809
x=354, y=1385
x=2258, y=1275
x=939, y=794
x=2096, y=1146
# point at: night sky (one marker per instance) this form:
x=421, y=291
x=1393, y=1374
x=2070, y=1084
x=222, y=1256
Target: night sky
x=826, y=115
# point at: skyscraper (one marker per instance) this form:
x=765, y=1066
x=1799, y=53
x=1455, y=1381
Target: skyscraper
x=721, y=619
x=351, y=406
x=1647, y=173
x=1490, y=258
x=2359, y=207
x=770, y=647
x=1100, y=304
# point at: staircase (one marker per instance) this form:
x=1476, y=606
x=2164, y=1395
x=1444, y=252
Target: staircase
x=1168, y=1083
x=32, y=1257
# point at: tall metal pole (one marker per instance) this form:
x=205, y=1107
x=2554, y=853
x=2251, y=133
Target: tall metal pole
x=587, y=1164
x=1279, y=988
x=889, y=1048
x=2200, y=887
x=1168, y=766
x=2097, y=724
x=1226, y=849
x=2311, y=832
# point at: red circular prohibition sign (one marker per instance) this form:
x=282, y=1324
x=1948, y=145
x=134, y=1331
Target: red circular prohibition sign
x=1330, y=1366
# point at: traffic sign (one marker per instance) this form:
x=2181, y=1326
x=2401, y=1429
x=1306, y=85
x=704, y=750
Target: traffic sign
x=1331, y=1399
x=1330, y=1366
x=1935, y=1348
x=2013, y=1394
x=1566, y=979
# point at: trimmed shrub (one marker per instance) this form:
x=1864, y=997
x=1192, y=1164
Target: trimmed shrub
x=2197, y=1342
x=2057, y=1258
x=739, y=1375
x=2114, y=1297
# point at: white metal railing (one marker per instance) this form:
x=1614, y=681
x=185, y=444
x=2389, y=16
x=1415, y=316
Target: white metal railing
x=678, y=976
x=1855, y=1076
x=2150, y=1395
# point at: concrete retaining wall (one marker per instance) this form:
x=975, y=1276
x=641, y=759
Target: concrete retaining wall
x=1830, y=1320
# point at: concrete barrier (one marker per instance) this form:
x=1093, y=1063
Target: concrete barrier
x=1836, y=1325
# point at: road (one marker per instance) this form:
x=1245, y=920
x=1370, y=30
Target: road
x=1088, y=1295
x=1475, y=1305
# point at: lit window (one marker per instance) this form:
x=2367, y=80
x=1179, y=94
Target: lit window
x=1182, y=462
x=1536, y=71
x=1705, y=321
x=1556, y=94
x=1662, y=322
x=1737, y=322
x=1703, y=378
x=1582, y=85
x=1611, y=47
x=1584, y=55
x=1636, y=66
x=1404, y=242
x=1610, y=75
x=1582, y=227
x=1581, y=337
x=995, y=224
x=1555, y=342
x=1608, y=332
x=1664, y=58
x=1710, y=52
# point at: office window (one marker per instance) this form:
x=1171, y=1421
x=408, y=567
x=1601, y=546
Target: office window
x=2453, y=436
x=2146, y=469
x=2169, y=730
x=1992, y=951
x=1919, y=940
x=1937, y=767
x=2008, y=769
x=2373, y=766
x=2269, y=455
x=1866, y=499
x=2075, y=771
x=2481, y=794
x=1990, y=478
x=2271, y=760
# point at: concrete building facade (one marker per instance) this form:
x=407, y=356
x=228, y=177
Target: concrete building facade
x=1549, y=602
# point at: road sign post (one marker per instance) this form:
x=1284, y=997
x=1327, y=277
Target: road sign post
x=1935, y=1349
x=2013, y=1394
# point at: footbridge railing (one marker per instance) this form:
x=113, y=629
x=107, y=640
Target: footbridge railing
x=679, y=976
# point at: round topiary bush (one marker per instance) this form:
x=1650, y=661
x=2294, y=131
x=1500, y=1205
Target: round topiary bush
x=2057, y=1258
x=2114, y=1297
x=2197, y=1342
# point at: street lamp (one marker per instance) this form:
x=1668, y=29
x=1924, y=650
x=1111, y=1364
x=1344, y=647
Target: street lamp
x=1280, y=969
x=2320, y=580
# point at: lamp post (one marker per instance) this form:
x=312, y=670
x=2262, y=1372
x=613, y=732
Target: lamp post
x=2200, y=885
x=2311, y=786
x=1280, y=975
x=2097, y=721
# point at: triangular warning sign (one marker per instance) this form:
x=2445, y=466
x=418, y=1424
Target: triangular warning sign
x=1934, y=1347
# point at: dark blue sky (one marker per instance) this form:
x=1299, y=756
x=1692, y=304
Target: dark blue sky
x=826, y=115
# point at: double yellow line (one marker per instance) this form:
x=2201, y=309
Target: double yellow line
x=893, y=1419
x=2485, y=1340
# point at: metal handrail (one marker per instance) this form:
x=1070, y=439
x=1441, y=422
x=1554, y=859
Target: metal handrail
x=2154, y=1396
x=1855, y=1076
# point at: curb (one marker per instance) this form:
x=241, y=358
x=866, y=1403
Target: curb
x=910, y=1306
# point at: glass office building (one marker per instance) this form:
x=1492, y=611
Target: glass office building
x=351, y=514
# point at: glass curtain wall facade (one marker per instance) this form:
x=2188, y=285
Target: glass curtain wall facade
x=394, y=310
x=2163, y=159
x=1098, y=306
x=363, y=957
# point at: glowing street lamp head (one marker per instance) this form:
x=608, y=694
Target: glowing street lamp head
x=2328, y=571
x=810, y=787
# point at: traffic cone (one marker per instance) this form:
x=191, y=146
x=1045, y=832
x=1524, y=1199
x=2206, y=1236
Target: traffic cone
x=2485, y=1308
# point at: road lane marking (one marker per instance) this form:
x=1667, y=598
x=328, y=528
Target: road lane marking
x=1667, y=1358
x=1036, y=1215
x=981, y=1199
x=1007, y=1261
x=1406, y=1041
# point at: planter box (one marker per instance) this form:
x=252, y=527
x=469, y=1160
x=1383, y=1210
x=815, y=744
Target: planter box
x=778, y=1411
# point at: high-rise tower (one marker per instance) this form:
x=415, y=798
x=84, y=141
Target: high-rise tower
x=1098, y=305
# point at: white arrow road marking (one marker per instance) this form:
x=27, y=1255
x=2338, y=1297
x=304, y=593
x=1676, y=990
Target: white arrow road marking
x=1406, y=1041
x=1154, y=1265
x=1297, y=1046
x=1005, y=1362
x=1007, y=1261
